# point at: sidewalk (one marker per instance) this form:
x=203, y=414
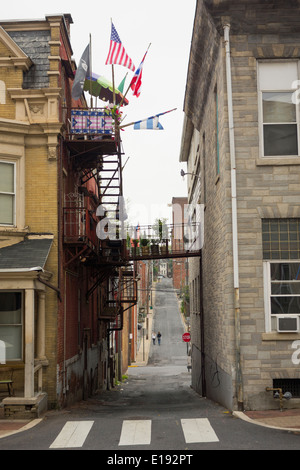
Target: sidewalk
x=143, y=352
x=288, y=420
x=13, y=426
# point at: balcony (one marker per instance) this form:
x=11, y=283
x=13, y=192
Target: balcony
x=80, y=227
x=79, y=234
x=90, y=134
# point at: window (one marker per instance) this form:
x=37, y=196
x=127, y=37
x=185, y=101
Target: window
x=281, y=252
x=279, y=120
x=11, y=323
x=7, y=193
x=281, y=239
x=285, y=288
x=282, y=292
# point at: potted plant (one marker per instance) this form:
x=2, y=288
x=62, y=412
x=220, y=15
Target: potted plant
x=154, y=247
x=164, y=246
x=145, y=246
x=135, y=242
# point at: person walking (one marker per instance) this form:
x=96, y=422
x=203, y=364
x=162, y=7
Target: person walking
x=153, y=337
x=159, y=337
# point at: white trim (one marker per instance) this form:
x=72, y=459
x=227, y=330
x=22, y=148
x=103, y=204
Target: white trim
x=260, y=109
x=21, y=270
x=267, y=294
x=14, y=194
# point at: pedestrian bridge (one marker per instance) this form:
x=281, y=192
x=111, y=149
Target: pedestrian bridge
x=154, y=242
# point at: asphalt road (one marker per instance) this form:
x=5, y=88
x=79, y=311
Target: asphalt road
x=154, y=415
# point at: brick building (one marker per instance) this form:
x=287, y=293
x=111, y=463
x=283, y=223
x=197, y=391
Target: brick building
x=241, y=137
x=63, y=291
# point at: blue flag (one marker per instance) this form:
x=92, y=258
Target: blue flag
x=151, y=123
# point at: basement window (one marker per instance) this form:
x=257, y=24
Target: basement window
x=288, y=385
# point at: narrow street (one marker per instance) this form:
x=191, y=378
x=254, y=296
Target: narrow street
x=153, y=411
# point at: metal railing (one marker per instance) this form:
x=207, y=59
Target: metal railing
x=79, y=226
x=169, y=240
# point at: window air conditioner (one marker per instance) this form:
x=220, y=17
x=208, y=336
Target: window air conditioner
x=287, y=324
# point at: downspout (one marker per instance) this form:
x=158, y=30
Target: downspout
x=239, y=385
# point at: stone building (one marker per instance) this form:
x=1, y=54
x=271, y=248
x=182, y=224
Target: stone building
x=241, y=140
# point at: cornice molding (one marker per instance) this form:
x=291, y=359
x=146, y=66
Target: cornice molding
x=18, y=58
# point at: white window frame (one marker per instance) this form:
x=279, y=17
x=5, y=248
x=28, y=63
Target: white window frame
x=268, y=294
x=260, y=107
x=14, y=194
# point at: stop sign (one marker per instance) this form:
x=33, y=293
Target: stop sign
x=186, y=337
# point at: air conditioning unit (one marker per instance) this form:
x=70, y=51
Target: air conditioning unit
x=287, y=324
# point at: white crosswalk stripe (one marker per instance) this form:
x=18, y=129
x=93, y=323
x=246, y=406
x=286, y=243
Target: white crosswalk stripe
x=198, y=430
x=135, y=432
x=73, y=434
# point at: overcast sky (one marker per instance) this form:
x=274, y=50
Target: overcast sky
x=151, y=175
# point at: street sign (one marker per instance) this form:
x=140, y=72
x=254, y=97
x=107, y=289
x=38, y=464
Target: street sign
x=186, y=337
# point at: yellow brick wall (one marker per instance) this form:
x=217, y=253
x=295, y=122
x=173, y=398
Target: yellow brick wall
x=41, y=216
x=13, y=79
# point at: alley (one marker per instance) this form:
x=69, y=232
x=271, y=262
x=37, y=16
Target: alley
x=166, y=319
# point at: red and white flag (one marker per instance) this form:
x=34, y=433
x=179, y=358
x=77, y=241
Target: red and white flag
x=136, y=81
x=117, y=54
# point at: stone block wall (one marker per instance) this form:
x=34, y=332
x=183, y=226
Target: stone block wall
x=266, y=188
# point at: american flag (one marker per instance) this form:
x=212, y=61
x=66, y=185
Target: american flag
x=117, y=54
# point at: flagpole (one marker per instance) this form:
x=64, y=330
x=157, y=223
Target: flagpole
x=113, y=80
x=113, y=75
x=91, y=73
x=130, y=82
x=156, y=115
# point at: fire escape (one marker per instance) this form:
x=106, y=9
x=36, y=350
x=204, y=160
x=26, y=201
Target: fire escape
x=94, y=150
x=95, y=153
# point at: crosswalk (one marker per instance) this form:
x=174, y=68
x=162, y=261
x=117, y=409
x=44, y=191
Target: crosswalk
x=133, y=433
x=73, y=434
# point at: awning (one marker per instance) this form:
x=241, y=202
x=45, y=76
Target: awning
x=28, y=255
x=102, y=88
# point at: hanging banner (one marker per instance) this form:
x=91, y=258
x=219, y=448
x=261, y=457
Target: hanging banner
x=91, y=122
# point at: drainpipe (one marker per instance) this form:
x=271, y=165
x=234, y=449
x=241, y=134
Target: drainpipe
x=239, y=385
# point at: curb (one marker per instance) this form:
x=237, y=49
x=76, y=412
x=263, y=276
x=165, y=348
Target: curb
x=241, y=415
x=27, y=426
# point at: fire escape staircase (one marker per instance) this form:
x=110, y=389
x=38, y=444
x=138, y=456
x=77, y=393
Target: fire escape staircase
x=94, y=150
